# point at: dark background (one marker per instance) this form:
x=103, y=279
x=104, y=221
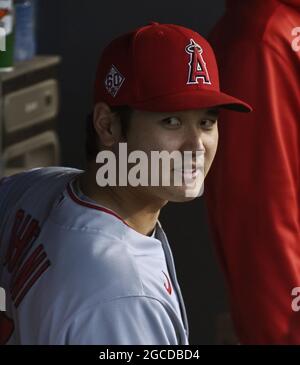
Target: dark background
x=78, y=30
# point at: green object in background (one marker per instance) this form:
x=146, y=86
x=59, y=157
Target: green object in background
x=6, y=35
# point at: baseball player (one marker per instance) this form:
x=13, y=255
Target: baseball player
x=84, y=264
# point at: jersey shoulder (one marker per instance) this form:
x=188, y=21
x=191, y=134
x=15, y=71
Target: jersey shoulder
x=32, y=184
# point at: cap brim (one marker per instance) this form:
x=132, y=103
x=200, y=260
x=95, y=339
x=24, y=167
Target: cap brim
x=194, y=99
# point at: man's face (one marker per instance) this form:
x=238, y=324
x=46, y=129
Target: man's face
x=193, y=130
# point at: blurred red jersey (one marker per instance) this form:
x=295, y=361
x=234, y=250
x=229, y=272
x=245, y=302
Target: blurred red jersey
x=253, y=188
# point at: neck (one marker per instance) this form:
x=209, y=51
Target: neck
x=138, y=209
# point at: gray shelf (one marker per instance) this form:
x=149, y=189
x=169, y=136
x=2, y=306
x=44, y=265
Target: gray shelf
x=26, y=67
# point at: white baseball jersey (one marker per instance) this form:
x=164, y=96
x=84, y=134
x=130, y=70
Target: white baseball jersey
x=75, y=273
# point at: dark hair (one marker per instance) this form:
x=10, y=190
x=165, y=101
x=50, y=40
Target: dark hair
x=92, y=141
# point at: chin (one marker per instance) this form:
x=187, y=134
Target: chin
x=182, y=199
x=183, y=194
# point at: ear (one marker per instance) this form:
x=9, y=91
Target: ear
x=107, y=125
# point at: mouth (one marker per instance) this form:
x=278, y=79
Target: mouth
x=189, y=173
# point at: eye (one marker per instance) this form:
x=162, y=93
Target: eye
x=208, y=123
x=171, y=122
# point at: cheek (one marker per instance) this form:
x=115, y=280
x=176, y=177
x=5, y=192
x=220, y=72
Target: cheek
x=151, y=140
x=136, y=140
x=211, y=144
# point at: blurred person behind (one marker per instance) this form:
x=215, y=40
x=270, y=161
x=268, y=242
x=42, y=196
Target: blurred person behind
x=253, y=188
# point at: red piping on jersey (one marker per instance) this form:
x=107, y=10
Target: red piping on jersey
x=92, y=206
x=168, y=286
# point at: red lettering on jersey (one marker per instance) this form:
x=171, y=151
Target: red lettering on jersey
x=24, y=233
x=25, y=271
x=23, y=275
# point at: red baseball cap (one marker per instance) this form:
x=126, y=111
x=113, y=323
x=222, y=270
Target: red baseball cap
x=161, y=68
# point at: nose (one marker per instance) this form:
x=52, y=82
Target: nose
x=193, y=140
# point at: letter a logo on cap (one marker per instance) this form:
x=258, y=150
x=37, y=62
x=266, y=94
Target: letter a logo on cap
x=197, y=64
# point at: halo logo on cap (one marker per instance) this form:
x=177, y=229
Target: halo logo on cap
x=197, y=64
x=113, y=81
